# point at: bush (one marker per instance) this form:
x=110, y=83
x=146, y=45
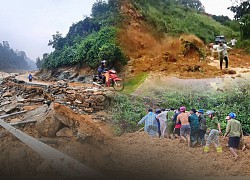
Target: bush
x=127, y=110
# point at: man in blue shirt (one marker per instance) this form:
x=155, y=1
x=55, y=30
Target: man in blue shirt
x=150, y=123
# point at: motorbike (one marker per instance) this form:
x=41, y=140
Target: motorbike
x=112, y=80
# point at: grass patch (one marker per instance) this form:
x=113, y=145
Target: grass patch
x=133, y=83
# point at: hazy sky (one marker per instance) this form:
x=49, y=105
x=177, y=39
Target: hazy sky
x=28, y=25
x=218, y=7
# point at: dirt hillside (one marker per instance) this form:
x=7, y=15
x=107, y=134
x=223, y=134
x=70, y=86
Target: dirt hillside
x=150, y=53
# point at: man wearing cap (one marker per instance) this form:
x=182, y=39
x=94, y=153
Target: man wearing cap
x=150, y=123
x=202, y=127
x=234, y=130
x=185, y=126
x=194, y=124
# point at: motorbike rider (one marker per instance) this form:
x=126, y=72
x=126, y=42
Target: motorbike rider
x=101, y=70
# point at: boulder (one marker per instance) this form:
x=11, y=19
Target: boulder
x=232, y=72
x=8, y=109
x=38, y=112
x=64, y=132
x=8, y=94
x=62, y=113
x=48, y=125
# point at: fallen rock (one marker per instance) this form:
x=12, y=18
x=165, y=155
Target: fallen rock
x=232, y=72
x=11, y=108
x=64, y=132
x=48, y=125
x=39, y=112
x=62, y=114
x=15, y=120
x=8, y=94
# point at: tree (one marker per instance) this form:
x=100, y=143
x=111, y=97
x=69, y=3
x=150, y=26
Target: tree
x=195, y=4
x=6, y=44
x=57, y=42
x=99, y=8
x=242, y=15
x=38, y=63
x=241, y=9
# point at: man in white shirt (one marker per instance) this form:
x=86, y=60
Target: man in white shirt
x=222, y=49
x=233, y=42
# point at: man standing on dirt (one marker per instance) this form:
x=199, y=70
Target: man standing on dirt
x=234, y=130
x=222, y=49
x=185, y=126
x=233, y=42
x=150, y=123
x=194, y=124
x=202, y=127
x=177, y=126
x=170, y=122
x=162, y=116
x=214, y=133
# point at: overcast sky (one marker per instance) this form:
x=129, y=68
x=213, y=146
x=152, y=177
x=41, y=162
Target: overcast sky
x=28, y=25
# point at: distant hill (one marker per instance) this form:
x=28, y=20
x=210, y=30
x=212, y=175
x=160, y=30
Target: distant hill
x=31, y=64
x=13, y=61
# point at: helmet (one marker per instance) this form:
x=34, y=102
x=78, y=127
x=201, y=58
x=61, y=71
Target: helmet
x=158, y=111
x=182, y=108
x=103, y=61
x=232, y=115
x=209, y=112
x=201, y=111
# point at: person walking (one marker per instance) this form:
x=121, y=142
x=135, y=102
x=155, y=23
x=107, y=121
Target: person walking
x=234, y=130
x=233, y=42
x=170, y=123
x=177, y=126
x=30, y=78
x=185, y=126
x=194, y=125
x=158, y=111
x=162, y=116
x=214, y=133
x=202, y=127
x=150, y=123
x=222, y=50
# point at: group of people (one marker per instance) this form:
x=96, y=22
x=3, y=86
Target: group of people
x=191, y=127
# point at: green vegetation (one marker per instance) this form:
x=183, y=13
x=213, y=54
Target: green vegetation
x=128, y=110
x=88, y=41
x=133, y=83
x=89, y=51
x=174, y=18
x=12, y=60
